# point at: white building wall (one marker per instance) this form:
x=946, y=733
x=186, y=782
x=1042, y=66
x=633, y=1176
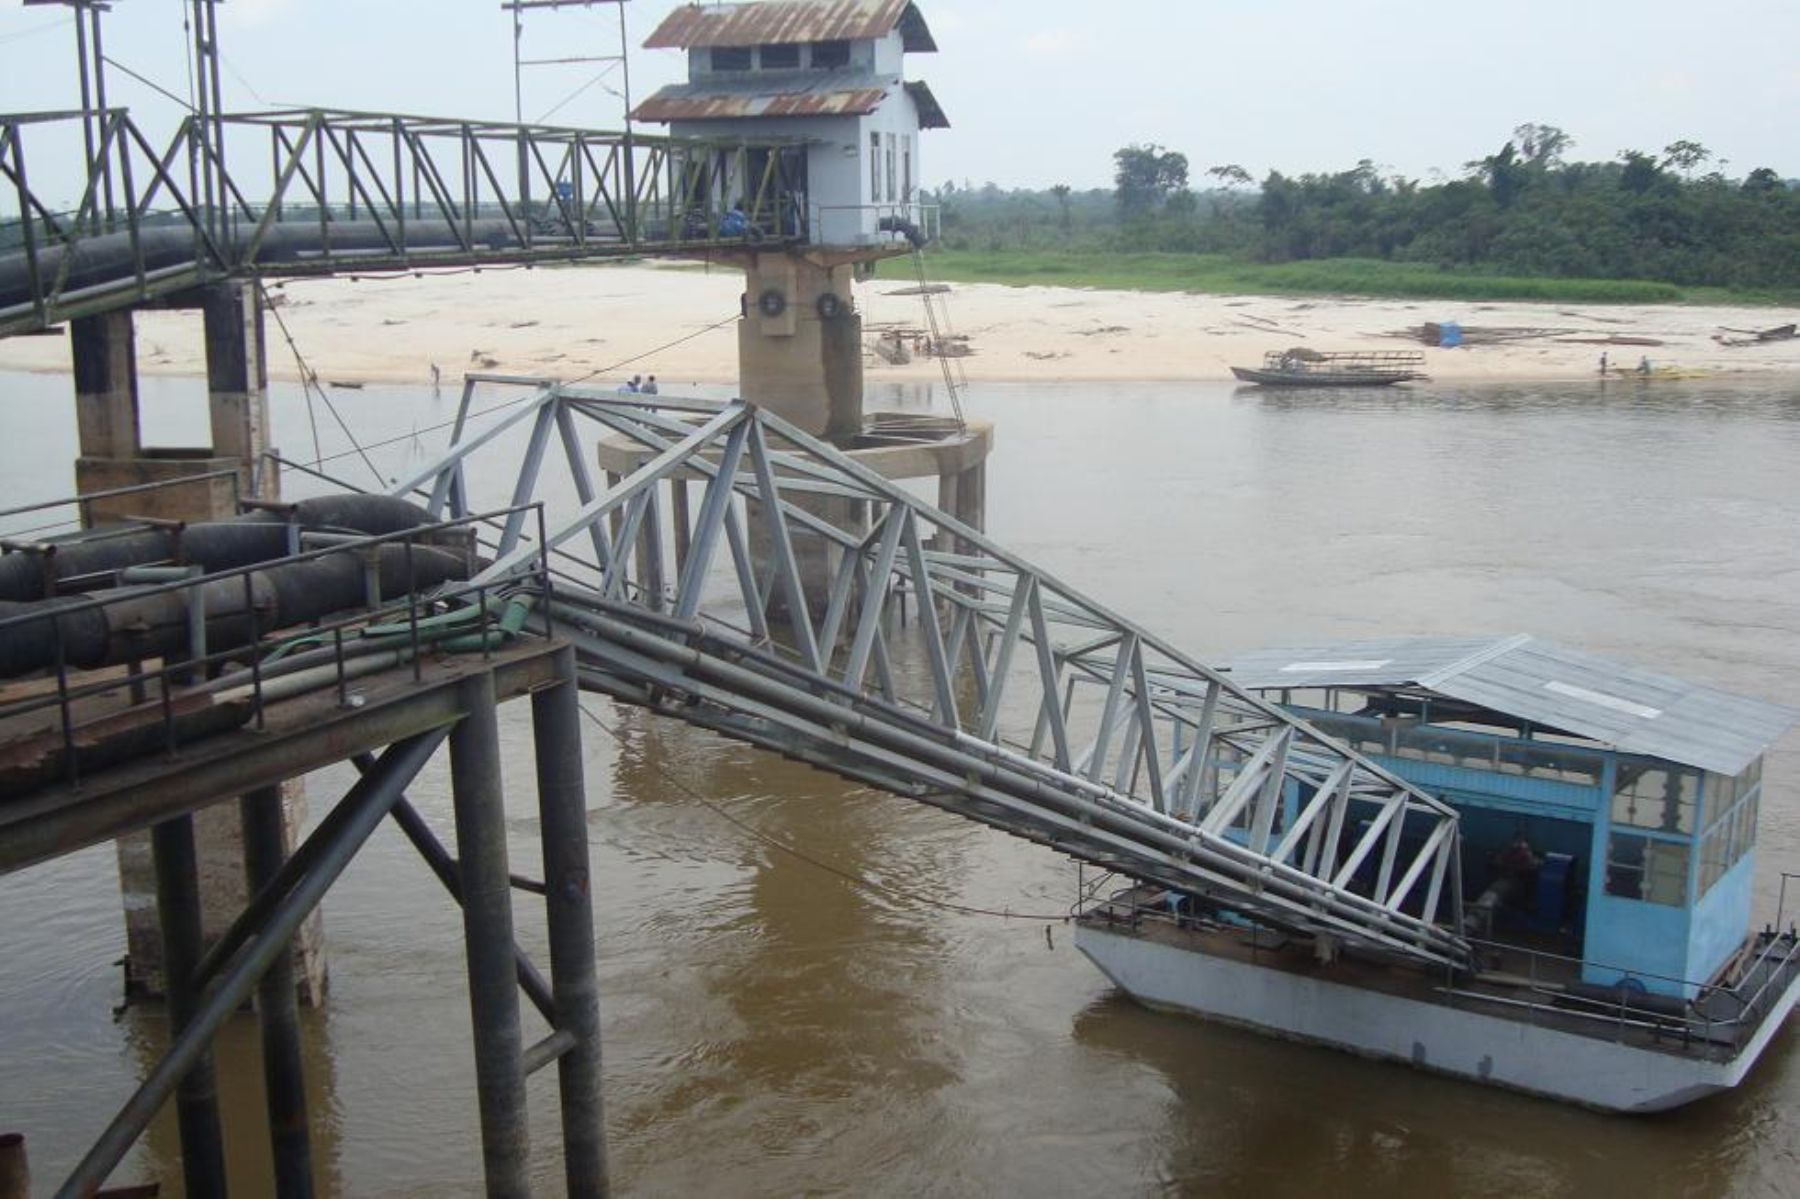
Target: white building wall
x=886, y=53
x=845, y=198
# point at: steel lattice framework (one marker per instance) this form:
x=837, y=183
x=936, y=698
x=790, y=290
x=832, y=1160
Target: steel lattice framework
x=310, y=192
x=1010, y=698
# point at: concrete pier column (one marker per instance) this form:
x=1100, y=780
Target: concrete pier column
x=479, y=799
x=277, y=1008
x=104, y=352
x=562, y=803
x=15, y=1167
x=197, y=1099
x=237, y=380
x=113, y=455
x=800, y=344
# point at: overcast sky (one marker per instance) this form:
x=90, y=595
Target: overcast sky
x=1043, y=91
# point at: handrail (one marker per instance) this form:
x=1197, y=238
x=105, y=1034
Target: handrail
x=66, y=694
x=427, y=191
x=1617, y=1014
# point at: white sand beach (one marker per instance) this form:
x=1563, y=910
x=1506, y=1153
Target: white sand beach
x=615, y=321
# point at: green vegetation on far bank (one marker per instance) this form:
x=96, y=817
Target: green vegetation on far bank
x=1220, y=274
x=1524, y=223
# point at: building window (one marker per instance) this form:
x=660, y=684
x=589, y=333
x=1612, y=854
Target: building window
x=906, y=176
x=781, y=58
x=731, y=58
x=1639, y=867
x=892, y=175
x=1658, y=796
x=828, y=56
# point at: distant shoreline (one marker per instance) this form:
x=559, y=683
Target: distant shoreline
x=679, y=324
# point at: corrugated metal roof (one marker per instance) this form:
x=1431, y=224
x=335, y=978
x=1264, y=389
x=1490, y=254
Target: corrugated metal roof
x=931, y=113
x=769, y=94
x=1631, y=709
x=774, y=22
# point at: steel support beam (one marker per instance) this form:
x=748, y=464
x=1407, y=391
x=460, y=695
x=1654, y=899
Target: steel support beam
x=479, y=798
x=562, y=803
x=197, y=1100
x=278, y=1008
x=369, y=801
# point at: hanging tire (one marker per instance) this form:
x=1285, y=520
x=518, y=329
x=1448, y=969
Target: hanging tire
x=830, y=307
x=771, y=303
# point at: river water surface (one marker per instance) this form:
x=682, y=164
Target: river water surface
x=773, y=1028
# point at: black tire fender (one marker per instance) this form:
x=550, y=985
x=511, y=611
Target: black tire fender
x=771, y=302
x=829, y=306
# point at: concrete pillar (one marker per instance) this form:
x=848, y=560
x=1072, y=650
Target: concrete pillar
x=104, y=350
x=218, y=833
x=800, y=345
x=113, y=455
x=237, y=380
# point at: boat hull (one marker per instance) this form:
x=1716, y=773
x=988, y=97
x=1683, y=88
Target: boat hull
x=1472, y=1045
x=1321, y=379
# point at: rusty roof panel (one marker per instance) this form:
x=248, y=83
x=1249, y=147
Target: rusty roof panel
x=677, y=104
x=774, y=22
x=931, y=113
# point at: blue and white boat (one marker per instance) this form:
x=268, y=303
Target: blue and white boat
x=1608, y=826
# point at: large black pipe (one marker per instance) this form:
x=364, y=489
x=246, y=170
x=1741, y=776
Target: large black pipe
x=150, y=623
x=110, y=258
x=212, y=545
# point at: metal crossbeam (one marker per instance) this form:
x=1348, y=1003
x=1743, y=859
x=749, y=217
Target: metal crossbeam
x=318, y=191
x=1012, y=699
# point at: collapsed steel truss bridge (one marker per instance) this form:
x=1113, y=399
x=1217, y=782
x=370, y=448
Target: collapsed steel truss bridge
x=704, y=583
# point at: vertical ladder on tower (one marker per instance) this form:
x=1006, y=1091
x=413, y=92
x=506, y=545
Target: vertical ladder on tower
x=937, y=325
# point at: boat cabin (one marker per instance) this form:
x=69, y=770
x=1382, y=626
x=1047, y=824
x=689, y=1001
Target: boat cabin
x=825, y=76
x=1608, y=813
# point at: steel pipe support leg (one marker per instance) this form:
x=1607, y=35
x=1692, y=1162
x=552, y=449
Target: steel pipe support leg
x=488, y=935
x=197, y=1098
x=278, y=1009
x=562, y=800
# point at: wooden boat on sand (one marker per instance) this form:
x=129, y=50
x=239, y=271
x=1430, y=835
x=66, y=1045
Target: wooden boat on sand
x=1302, y=367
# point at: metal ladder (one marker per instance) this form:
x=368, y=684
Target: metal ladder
x=938, y=326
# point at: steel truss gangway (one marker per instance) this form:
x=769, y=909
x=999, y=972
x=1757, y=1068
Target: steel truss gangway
x=702, y=580
x=320, y=191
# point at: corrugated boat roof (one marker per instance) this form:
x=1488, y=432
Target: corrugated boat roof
x=1635, y=710
x=775, y=22
x=785, y=94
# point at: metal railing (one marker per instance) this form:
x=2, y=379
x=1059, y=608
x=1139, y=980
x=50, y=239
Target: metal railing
x=320, y=191
x=1762, y=979
x=83, y=503
x=386, y=631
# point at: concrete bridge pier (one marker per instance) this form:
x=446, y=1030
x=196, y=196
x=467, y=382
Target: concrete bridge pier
x=113, y=455
x=800, y=355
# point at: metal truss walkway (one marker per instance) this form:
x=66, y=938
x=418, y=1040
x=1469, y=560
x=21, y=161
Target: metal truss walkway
x=705, y=582
x=320, y=192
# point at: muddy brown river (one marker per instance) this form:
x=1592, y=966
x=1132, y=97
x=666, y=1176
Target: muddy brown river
x=790, y=1006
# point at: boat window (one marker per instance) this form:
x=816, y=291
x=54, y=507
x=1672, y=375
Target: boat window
x=1640, y=867
x=1655, y=795
x=784, y=57
x=829, y=55
x=1730, y=835
x=731, y=58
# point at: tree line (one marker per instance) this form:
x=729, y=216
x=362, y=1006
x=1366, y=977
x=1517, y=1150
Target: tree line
x=1526, y=209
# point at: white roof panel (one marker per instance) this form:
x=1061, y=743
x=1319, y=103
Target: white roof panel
x=1631, y=709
